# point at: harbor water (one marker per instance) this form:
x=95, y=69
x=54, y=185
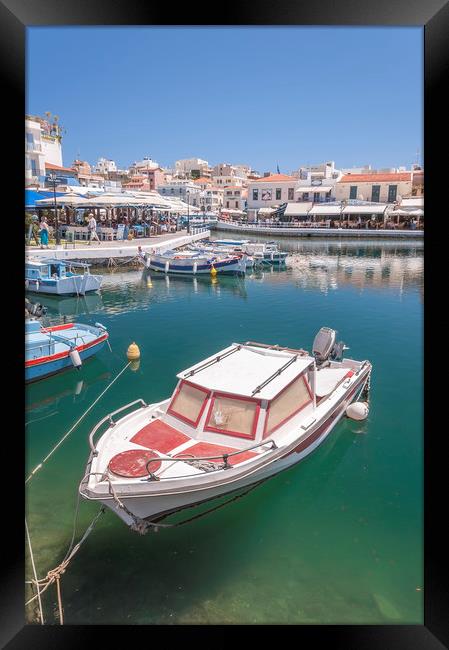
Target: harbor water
x=336, y=539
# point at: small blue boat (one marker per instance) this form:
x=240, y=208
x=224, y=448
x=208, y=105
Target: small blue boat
x=49, y=350
x=57, y=277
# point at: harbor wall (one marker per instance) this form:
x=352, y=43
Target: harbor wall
x=288, y=231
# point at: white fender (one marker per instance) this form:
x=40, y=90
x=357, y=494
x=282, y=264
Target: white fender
x=75, y=358
x=167, y=266
x=195, y=266
x=357, y=411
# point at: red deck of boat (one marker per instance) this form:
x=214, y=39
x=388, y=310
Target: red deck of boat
x=208, y=449
x=161, y=436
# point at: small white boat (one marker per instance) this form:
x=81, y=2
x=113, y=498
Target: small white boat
x=194, y=263
x=258, y=251
x=58, y=277
x=234, y=419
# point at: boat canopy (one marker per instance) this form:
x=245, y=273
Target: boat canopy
x=248, y=371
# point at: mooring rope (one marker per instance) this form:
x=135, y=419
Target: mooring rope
x=38, y=467
x=38, y=595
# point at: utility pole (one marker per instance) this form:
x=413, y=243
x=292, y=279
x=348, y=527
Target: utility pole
x=52, y=178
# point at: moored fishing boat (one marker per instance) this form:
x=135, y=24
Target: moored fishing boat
x=257, y=251
x=49, y=350
x=233, y=420
x=194, y=262
x=57, y=277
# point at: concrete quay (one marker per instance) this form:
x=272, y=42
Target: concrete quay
x=110, y=251
x=292, y=231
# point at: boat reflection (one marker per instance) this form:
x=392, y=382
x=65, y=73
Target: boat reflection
x=71, y=306
x=44, y=404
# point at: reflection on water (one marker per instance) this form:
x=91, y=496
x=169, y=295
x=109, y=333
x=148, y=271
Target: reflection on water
x=337, y=539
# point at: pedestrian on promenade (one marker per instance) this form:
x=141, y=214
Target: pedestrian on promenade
x=43, y=233
x=92, y=228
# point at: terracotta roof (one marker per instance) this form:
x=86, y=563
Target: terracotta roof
x=374, y=178
x=276, y=178
x=58, y=168
x=203, y=179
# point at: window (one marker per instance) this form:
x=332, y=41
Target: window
x=228, y=193
x=188, y=403
x=236, y=204
x=278, y=194
x=289, y=402
x=375, y=193
x=392, y=193
x=255, y=195
x=290, y=194
x=353, y=192
x=227, y=204
x=237, y=193
x=233, y=416
x=305, y=196
x=316, y=197
x=266, y=195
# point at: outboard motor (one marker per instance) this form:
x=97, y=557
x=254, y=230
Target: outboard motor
x=324, y=346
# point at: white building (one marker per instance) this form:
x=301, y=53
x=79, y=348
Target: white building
x=104, y=166
x=42, y=145
x=234, y=197
x=143, y=165
x=271, y=191
x=181, y=189
x=375, y=187
x=187, y=165
x=211, y=199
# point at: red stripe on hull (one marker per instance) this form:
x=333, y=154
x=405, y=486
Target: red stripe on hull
x=62, y=355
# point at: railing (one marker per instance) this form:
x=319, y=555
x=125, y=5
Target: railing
x=111, y=421
x=33, y=147
x=189, y=459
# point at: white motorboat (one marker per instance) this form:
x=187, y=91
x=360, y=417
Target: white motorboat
x=257, y=251
x=57, y=277
x=233, y=420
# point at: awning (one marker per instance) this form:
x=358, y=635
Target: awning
x=69, y=198
x=379, y=208
x=331, y=210
x=414, y=202
x=314, y=188
x=267, y=210
x=232, y=211
x=31, y=196
x=298, y=209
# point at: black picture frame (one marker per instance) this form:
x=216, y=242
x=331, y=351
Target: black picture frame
x=433, y=15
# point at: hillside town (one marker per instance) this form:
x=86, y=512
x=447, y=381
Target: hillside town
x=147, y=198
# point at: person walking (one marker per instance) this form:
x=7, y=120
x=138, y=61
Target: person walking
x=43, y=226
x=92, y=228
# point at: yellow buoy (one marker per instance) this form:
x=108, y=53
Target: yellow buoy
x=213, y=270
x=133, y=352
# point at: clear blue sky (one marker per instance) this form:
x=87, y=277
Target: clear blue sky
x=260, y=96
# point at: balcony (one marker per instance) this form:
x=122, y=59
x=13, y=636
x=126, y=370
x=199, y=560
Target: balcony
x=34, y=147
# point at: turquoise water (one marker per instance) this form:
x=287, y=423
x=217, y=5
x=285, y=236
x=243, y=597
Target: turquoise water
x=336, y=539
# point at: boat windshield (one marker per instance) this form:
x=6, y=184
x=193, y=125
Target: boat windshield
x=289, y=402
x=233, y=416
x=188, y=403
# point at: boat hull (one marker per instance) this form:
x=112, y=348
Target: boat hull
x=153, y=507
x=201, y=267
x=69, y=286
x=51, y=364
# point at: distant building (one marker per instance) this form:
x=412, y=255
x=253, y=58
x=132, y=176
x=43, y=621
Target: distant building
x=179, y=188
x=234, y=197
x=142, y=166
x=43, y=144
x=203, y=182
x=189, y=165
x=104, y=166
x=271, y=191
x=211, y=199
x=378, y=187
